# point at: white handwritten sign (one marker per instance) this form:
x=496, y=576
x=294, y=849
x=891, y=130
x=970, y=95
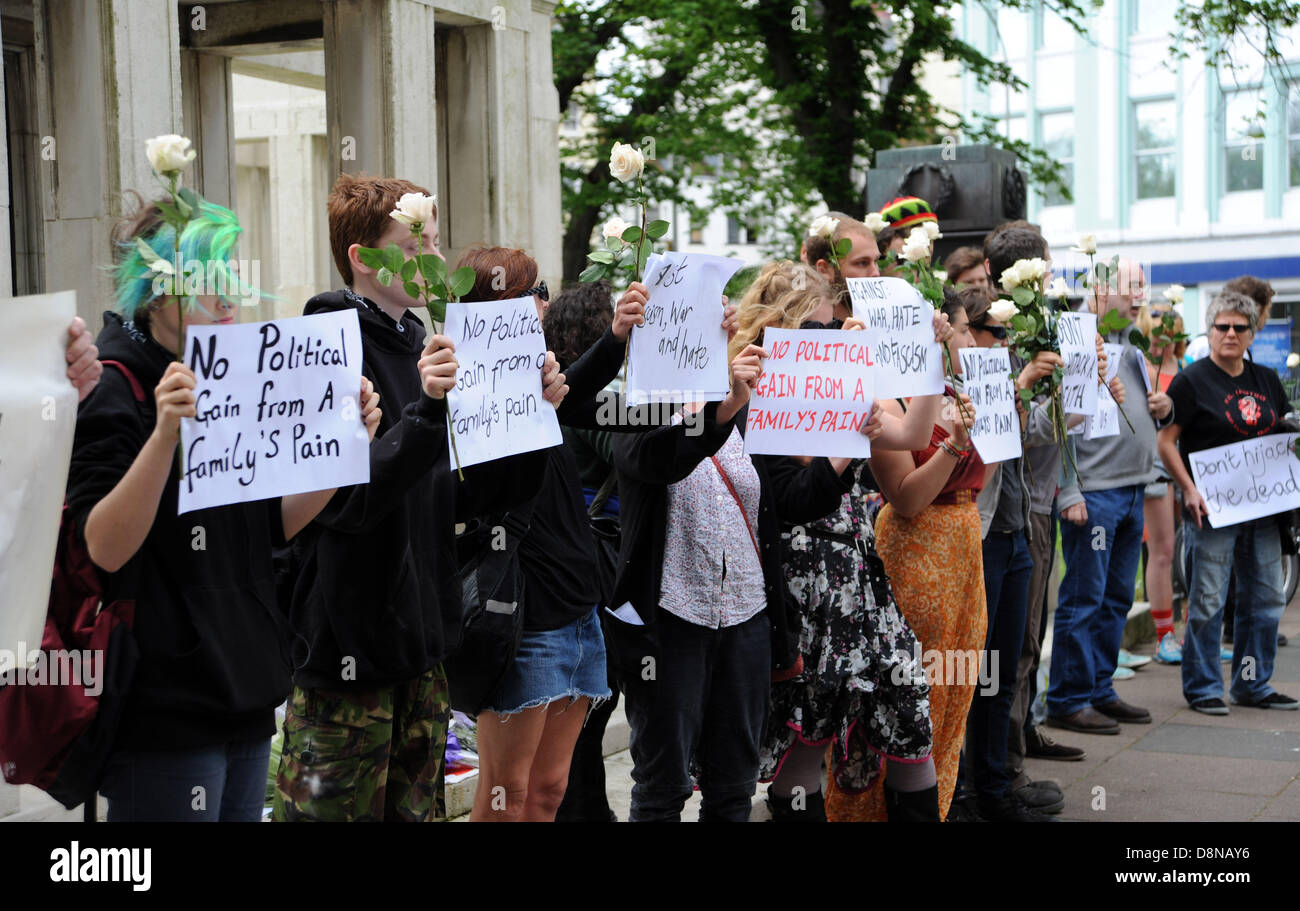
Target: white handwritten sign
x=987, y=376
x=814, y=392
x=1105, y=423
x=38, y=412
x=496, y=409
x=1248, y=480
x=1077, y=333
x=900, y=335
x=277, y=410
x=680, y=354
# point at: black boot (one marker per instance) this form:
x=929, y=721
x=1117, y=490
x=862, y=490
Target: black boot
x=912, y=806
x=814, y=808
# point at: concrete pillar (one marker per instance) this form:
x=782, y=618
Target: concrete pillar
x=208, y=119
x=6, y=261
x=111, y=74
x=544, y=147
x=295, y=245
x=379, y=77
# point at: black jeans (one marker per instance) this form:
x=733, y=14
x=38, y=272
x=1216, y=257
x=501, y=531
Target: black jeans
x=695, y=694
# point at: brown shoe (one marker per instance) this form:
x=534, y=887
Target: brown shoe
x=1122, y=711
x=1086, y=721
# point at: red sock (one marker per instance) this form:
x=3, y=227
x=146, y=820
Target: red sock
x=1164, y=621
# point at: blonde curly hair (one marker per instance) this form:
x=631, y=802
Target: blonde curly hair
x=1146, y=322
x=784, y=295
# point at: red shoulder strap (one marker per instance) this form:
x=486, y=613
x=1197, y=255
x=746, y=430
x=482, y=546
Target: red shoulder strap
x=741, y=506
x=136, y=389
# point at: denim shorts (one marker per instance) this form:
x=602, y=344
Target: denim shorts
x=564, y=663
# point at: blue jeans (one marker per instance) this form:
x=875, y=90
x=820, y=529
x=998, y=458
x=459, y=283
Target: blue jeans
x=1101, y=562
x=1255, y=549
x=224, y=783
x=1007, y=568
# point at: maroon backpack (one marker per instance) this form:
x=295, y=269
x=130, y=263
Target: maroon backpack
x=55, y=734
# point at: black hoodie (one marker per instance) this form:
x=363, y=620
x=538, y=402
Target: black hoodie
x=213, y=646
x=377, y=599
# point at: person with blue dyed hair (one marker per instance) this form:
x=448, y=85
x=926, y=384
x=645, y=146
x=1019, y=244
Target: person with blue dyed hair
x=193, y=740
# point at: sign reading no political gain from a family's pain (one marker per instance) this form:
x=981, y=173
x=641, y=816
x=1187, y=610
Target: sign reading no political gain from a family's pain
x=277, y=410
x=813, y=395
x=987, y=377
x=680, y=353
x=496, y=408
x=899, y=334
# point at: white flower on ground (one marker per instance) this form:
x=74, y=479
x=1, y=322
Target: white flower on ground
x=414, y=209
x=169, y=153
x=625, y=162
x=823, y=226
x=1174, y=294
x=615, y=227
x=874, y=221
x=1002, y=310
x=1087, y=244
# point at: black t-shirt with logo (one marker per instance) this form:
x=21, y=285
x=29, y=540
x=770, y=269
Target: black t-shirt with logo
x=1215, y=409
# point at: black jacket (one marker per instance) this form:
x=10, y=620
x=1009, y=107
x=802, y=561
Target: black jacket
x=647, y=463
x=214, y=659
x=377, y=599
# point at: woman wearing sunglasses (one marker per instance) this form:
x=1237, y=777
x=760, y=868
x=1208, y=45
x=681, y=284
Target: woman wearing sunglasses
x=1223, y=399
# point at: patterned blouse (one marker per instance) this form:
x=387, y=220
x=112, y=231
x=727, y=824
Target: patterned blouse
x=712, y=576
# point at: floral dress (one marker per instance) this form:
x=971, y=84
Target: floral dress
x=862, y=689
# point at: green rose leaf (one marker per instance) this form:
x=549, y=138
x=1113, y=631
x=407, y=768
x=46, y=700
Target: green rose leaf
x=371, y=257
x=438, y=311
x=385, y=276
x=409, y=268
x=189, y=199
x=843, y=246
x=1113, y=321
x=433, y=268
x=1022, y=295
x=393, y=258
x=613, y=244
x=601, y=256
x=462, y=280
x=593, y=273
x=656, y=229
x=412, y=289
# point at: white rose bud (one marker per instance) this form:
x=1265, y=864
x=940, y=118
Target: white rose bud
x=615, y=227
x=625, y=162
x=414, y=209
x=1174, y=294
x=931, y=229
x=874, y=221
x=1293, y=360
x=1002, y=310
x=1087, y=244
x=1059, y=288
x=169, y=153
x=823, y=226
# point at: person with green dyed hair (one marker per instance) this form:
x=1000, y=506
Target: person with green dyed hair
x=193, y=738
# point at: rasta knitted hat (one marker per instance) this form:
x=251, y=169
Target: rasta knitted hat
x=907, y=211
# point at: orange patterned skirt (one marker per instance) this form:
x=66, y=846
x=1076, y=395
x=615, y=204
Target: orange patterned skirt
x=936, y=569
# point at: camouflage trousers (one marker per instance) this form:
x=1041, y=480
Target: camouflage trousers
x=365, y=755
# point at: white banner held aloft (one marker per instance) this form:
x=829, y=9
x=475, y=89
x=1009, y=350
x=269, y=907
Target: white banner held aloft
x=814, y=393
x=278, y=410
x=899, y=324
x=986, y=374
x=496, y=408
x=1105, y=423
x=38, y=414
x=680, y=354
x=1248, y=480
x=1077, y=333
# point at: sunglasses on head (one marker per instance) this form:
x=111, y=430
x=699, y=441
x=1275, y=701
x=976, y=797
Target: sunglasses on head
x=1239, y=328
x=998, y=332
x=539, y=291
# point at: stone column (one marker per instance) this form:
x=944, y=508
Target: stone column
x=111, y=80
x=208, y=117
x=6, y=263
x=544, y=147
x=294, y=243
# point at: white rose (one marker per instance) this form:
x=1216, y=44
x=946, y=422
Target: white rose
x=1293, y=360
x=1002, y=310
x=1087, y=244
x=1174, y=294
x=625, y=162
x=931, y=230
x=874, y=221
x=1010, y=278
x=1034, y=268
x=917, y=246
x=169, y=153
x=414, y=209
x=1059, y=288
x=823, y=226
x=615, y=227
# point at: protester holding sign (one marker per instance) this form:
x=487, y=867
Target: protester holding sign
x=194, y=736
x=1219, y=400
x=858, y=691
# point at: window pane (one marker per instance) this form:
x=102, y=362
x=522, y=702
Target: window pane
x=1245, y=167
x=1155, y=176
x=1058, y=134
x=1057, y=33
x=1013, y=29
x=1157, y=127
x=1243, y=134
x=1154, y=17
x=1054, y=196
x=1295, y=162
x=1293, y=131
x=1243, y=116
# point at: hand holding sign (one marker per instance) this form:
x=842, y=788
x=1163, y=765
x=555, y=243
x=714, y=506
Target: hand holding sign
x=370, y=410
x=173, y=399
x=630, y=310
x=438, y=367
x=553, y=388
